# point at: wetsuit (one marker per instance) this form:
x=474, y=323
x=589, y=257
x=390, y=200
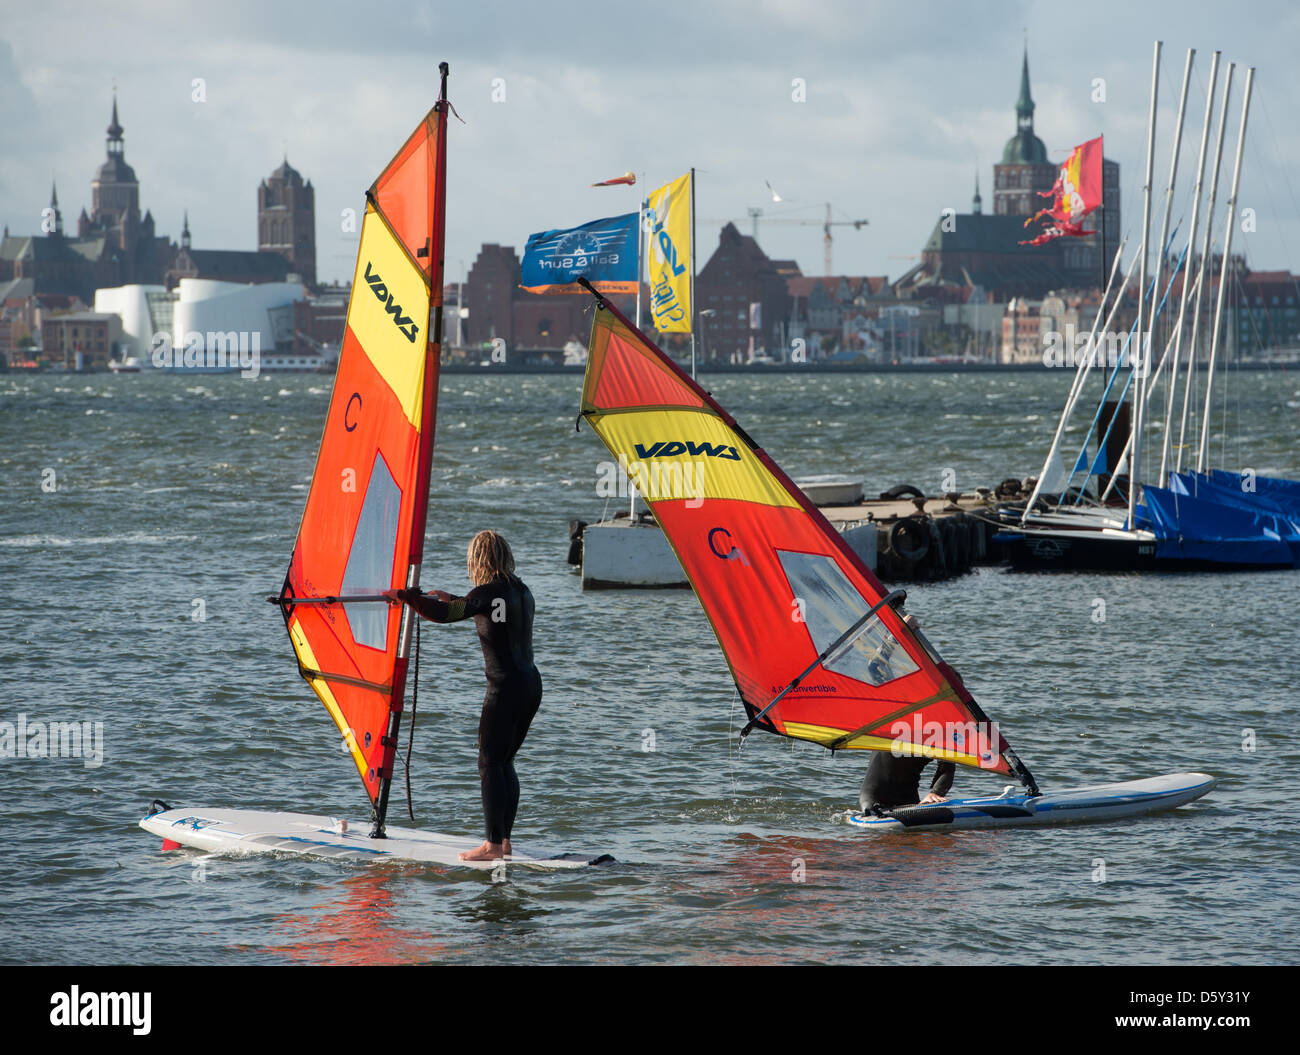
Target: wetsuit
x=503, y=614
x=893, y=781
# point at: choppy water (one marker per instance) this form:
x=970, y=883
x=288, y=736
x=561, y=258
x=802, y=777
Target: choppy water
x=180, y=496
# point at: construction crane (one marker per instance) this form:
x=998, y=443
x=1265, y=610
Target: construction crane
x=756, y=214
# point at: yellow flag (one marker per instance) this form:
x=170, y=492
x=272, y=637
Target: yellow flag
x=670, y=256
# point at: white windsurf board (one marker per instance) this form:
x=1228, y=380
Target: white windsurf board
x=256, y=831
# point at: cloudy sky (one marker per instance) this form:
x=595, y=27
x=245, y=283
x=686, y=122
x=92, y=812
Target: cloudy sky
x=903, y=104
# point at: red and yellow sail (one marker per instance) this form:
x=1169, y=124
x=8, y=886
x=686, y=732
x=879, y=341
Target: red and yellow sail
x=362, y=531
x=777, y=582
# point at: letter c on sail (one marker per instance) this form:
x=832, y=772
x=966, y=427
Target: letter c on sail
x=734, y=552
x=348, y=423
x=717, y=552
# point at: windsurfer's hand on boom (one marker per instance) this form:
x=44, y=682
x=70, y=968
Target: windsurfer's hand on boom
x=412, y=596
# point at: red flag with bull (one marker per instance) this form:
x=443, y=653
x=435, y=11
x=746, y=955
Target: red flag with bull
x=1076, y=193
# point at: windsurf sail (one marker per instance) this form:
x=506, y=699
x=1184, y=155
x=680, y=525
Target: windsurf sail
x=362, y=531
x=817, y=647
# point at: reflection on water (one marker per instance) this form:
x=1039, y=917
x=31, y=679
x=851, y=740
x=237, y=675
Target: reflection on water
x=361, y=923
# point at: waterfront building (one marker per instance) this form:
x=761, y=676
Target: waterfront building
x=748, y=295
x=532, y=325
x=80, y=340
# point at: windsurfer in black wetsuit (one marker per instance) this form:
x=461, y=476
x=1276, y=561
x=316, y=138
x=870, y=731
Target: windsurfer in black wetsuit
x=895, y=780
x=502, y=609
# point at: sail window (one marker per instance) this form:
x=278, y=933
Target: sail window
x=831, y=605
x=370, y=561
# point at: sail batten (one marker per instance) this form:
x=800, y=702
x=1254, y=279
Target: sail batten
x=362, y=530
x=816, y=645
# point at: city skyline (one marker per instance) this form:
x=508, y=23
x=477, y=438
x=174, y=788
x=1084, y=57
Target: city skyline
x=901, y=112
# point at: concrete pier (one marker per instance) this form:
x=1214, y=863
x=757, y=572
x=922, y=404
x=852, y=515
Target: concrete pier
x=924, y=539
x=900, y=539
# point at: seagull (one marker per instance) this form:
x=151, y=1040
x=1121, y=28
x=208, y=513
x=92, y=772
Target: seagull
x=775, y=196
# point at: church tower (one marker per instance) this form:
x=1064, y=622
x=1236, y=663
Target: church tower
x=286, y=220
x=1025, y=169
x=115, y=194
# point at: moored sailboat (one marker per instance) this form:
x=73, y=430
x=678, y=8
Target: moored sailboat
x=1184, y=522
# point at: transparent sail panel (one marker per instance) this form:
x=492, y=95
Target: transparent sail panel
x=831, y=606
x=370, y=561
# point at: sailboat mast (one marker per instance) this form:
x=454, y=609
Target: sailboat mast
x=1206, y=246
x=432, y=359
x=694, y=307
x=1143, y=346
x=1187, y=277
x=1223, y=274
x=1080, y=375
x=1149, y=381
x=640, y=243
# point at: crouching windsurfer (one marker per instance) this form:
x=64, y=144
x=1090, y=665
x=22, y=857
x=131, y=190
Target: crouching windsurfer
x=502, y=609
x=895, y=780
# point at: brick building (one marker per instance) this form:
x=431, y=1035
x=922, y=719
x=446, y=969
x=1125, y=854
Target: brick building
x=80, y=339
x=497, y=308
x=286, y=220
x=749, y=297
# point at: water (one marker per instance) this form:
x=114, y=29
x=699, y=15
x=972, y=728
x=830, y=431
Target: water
x=133, y=596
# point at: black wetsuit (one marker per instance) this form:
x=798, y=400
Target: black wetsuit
x=503, y=614
x=893, y=781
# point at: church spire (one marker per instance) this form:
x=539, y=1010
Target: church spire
x=115, y=130
x=185, y=231
x=1025, y=104
x=54, y=208
x=977, y=203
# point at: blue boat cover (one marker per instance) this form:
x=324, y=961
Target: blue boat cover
x=1210, y=519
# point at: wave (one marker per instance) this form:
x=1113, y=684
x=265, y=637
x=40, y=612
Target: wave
x=133, y=538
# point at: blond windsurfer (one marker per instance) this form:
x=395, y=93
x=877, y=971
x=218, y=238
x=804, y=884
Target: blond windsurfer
x=502, y=609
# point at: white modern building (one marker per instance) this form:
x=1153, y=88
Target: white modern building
x=203, y=324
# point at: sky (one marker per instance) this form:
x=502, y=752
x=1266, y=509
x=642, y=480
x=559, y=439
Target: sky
x=885, y=111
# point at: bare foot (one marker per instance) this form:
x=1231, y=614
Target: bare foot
x=506, y=846
x=486, y=852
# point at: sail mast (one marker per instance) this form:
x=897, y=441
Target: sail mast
x=695, y=314
x=1143, y=346
x=1206, y=247
x=1223, y=273
x=1148, y=382
x=432, y=359
x=1187, y=284
x=1080, y=375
